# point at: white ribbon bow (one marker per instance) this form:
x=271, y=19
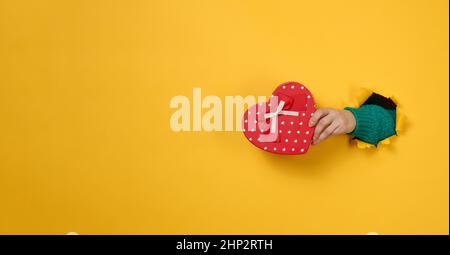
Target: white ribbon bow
x=274, y=116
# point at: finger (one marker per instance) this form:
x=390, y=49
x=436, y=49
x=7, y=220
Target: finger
x=317, y=116
x=323, y=123
x=330, y=130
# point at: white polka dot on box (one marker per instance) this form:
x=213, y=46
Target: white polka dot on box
x=281, y=125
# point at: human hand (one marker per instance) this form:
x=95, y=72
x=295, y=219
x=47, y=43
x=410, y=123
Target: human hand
x=329, y=122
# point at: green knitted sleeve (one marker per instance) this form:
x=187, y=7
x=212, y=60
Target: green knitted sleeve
x=373, y=123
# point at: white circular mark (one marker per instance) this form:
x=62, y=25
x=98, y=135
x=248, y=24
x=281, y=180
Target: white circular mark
x=261, y=130
x=307, y=132
x=304, y=141
x=298, y=131
x=284, y=87
x=265, y=148
x=253, y=130
x=243, y=130
x=302, y=150
x=289, y=131
x=293, y=149
x=312, y=114
x=282, y=123
x=245, y=121
x=275, y=148
x=284, y=149
x=286, y=140
x=280, y=131
x=292, y=123
x=309, y=96
x=303, y=114
x=301, y=123
x=250, y=139
x=295, y=141
x=259, y=139
x=292, y=86
x=255, y=121
x=302, y=87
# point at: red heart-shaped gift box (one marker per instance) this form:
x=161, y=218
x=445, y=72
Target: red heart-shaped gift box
x=281, y=125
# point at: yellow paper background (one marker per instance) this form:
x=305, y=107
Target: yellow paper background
x=85, y=143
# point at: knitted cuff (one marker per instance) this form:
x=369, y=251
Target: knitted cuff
x=373, y=123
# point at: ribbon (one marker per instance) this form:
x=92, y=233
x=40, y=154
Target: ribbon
x=274, y=116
